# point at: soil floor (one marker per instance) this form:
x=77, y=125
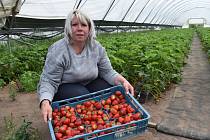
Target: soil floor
x=26, y=106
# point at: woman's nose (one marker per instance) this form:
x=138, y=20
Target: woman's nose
x=79, y=26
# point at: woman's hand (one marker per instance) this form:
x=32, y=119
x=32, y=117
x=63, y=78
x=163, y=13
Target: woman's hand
x=128, y=87
x=46, y=110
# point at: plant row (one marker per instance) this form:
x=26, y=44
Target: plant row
x=204, y=35
x=23, y=63
x=149, y=60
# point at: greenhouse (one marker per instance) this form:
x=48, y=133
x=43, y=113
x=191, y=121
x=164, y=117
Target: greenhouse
x=111, y=70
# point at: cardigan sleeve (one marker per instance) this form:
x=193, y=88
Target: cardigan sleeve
x=50, y=77
x=105, y=68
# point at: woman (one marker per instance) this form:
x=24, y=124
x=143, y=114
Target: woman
x=76, y=65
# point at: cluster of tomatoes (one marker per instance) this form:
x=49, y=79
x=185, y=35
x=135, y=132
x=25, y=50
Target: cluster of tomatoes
x=93, y=115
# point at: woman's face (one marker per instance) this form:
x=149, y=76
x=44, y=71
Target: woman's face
x=80, y=31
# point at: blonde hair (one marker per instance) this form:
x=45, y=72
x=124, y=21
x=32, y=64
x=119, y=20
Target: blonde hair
x=83, y=19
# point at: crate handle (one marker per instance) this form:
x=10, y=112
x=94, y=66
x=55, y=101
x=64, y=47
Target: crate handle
x=93, y=94
x=137, y=103
x=98, y=93
x=132, y=100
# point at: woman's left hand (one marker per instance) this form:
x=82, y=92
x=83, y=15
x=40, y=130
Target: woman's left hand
x=128, y=87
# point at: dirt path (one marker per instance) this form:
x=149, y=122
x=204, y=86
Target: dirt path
x=27, y=104
x=24, y=107
x=185, y=111
x=191, y=98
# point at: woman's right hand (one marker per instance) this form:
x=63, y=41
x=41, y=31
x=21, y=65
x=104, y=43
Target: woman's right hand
x=46, y=110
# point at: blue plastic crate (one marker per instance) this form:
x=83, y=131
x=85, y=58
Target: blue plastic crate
x=118, y=132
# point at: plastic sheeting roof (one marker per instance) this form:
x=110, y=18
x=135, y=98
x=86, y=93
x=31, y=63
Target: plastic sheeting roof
x=169, y=12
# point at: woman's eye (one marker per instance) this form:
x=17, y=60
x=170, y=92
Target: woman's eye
x=77, y=24
x=74, y=24
x=84, y=25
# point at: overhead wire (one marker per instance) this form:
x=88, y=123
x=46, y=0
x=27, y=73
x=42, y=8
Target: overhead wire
x=152, y=9
x=83, y=4
x=141, y=11
x=180, y=4
x=75, y=4
x=177, y=5
x=157, y=12
x=170, y=9
x=203, y=6
x=3, y=6
x=187, y=10
x=114, y=5
x=126, y=12
x=78, y=4
x=109, y=9
x=161, y=12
